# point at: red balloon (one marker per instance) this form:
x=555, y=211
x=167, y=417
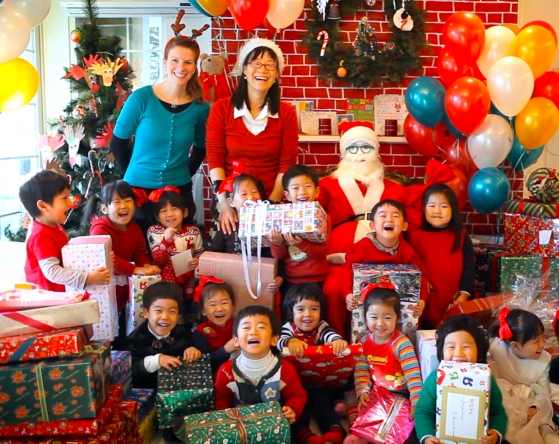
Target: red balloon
x=449, y=69
x=455, y=153
x=460, y=186
x=269, y=26
x=248, y=14
x=547, y=85
x=464, y=36
x=426, y=141
x=545, y=25
x=467, y=104
x=473, y=71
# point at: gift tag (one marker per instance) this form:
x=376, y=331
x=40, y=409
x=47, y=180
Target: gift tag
x=545, y=237
x=180, y=262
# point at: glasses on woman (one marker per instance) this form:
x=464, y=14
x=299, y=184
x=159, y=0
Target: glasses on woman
x=364, y=148
x=257, y=65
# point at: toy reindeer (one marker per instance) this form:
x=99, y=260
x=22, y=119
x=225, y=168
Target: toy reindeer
x=73, y=137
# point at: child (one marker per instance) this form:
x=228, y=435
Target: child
x=382, y=246
x=117, y=202
x=46, y=198
x=256, y=375
x=462, y=339
x=215, y=334
x=304, y=306
x=158, y=341
x=305, y=261
x=171, y=237
x=521, y=367
x=446, y=252
x=397, y=369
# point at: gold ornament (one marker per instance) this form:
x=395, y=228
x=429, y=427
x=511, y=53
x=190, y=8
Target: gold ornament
x=341, y=71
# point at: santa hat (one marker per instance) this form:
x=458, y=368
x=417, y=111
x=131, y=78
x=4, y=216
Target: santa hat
x=357, y=132
x=250, y=46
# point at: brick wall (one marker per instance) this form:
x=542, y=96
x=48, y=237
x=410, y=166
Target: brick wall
x=300, y=79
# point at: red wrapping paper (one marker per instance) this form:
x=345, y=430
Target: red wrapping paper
x=481, y=309
x=385, y=419
x=522, y=235
x=319, y=366
x=35, y=346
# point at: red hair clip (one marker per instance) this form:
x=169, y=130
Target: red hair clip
x=370, y=287
x=141, y=196
x=202, y=283
x=505, y=333
x=155, y=195
x=227, y=184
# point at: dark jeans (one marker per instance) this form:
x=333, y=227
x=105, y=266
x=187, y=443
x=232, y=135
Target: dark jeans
x=320, y=405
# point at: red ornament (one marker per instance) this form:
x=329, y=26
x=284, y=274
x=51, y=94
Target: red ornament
x=126, y=65
x=76, y=35
x=75, y=201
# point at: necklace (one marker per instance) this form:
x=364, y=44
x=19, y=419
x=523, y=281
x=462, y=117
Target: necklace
x=173, y=105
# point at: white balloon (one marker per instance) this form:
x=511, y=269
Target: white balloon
x=491, y=143
x=283, y=13
x=14, y=34
x=510, y=83
x=35, y=11
x=498, y=44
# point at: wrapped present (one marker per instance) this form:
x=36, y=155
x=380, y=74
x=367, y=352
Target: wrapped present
x=35, y=346
x=229, y=267
x=122, y=369
x=531, y=235
x=136, y=285
x=481, y=309
x=184, y=391
x=426, y=351
x=258, y=423
x=55, y=389
x=77, y=427
x=406, y=279
x=511, y=267
x=319, y=366
x=305, y=219
x=385, y=419
x=48, y=319
x=88, y=253
x=145, y=399
x=483, y=257
x=532, y=208
x=24, y=296
x=351, y=406
x=148, y=427
x=462, y=401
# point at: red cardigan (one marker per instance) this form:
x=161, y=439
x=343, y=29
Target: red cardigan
x=264, y=156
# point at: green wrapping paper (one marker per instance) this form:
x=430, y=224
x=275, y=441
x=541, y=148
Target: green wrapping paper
x=259, y=423
x=184, y=391
x=526, y=266
x=531, y=208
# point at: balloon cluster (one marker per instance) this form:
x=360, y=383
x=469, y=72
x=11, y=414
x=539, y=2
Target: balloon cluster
x=250, y=14
x=19, y=80
x=495, y=97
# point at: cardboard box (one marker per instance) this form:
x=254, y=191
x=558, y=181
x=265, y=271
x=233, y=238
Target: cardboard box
x=462, y=401
x=426, y=351
x=88, y=253
x=136, y=285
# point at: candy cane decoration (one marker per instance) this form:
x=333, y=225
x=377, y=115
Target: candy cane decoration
x=325, y=37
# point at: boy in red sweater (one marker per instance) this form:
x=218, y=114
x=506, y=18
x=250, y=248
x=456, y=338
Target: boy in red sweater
x=257, y=375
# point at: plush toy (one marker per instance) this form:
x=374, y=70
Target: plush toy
x=213, y=77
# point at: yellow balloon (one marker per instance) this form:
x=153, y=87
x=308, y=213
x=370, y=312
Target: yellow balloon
x=214, y=7
x=536, y=123
x=536, y=46
x=19, y=82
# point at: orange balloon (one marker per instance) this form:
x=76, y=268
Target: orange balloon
x=536, y=46
x=513, y=28
x=536, y=123
x=545, y=25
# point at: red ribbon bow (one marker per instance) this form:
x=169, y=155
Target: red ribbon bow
x=227, y=184
x=155, y=195
x=202, y=283
x=505, y=333
x=365, y=292
x=141, y=196
x=555, y=323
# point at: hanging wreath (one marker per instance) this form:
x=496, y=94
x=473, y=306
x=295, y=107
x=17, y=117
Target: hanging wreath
x=364, y=61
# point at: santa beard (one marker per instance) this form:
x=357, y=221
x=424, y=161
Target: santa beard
x=365, y=172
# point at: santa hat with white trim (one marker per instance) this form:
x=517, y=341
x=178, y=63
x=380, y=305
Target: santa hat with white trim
x=357, y=132
x=251, y=45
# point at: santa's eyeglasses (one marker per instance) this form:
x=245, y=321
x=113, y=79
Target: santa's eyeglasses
x=365, y=148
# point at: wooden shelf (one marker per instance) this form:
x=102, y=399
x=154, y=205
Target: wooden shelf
x=336, y=139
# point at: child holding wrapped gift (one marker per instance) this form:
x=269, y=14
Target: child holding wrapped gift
x=462, y=339
x=446, y=251
x=305, y=261
x=46, y=197
x=388, y=361
x=521, y=367
x=304, y=306
x=257, y=375
x=159, y=341
x=215, y=334
x=117, y=201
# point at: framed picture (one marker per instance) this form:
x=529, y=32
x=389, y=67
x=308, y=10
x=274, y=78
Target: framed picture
x=345, y=118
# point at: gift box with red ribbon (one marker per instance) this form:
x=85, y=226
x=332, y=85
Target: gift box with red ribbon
x=35, y=346
x=532, y=207
x=531, y=235
x=136, y=287
x=319, y=366
x=482, y=309
x=483, y=257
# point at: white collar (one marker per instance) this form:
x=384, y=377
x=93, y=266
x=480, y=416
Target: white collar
x=155, y=334
x=244, y=112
